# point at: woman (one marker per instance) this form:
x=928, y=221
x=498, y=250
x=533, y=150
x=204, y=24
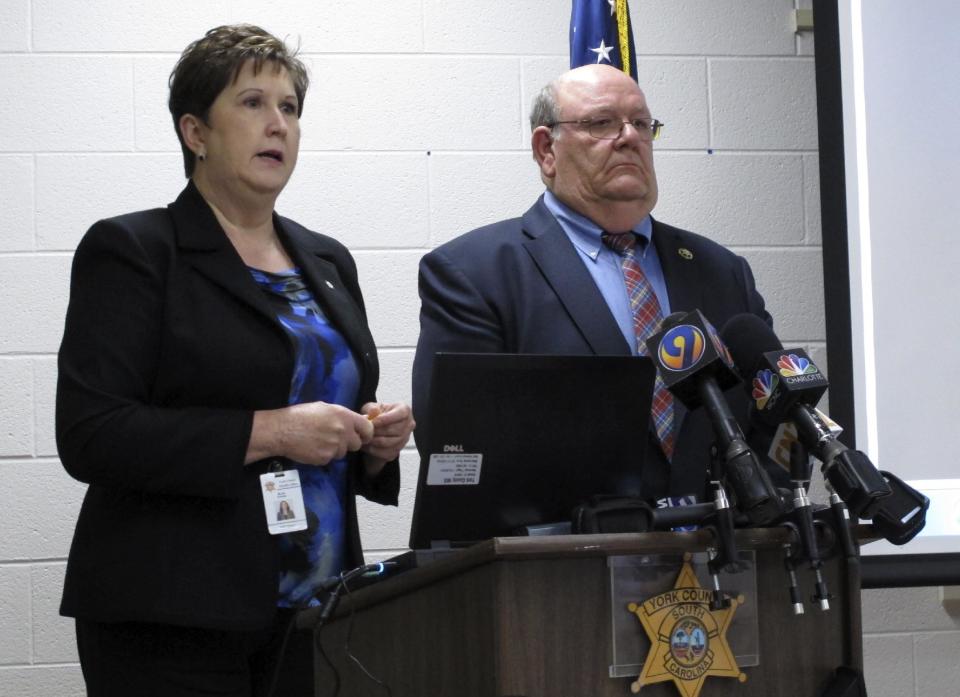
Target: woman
x=285, y=512
x=212, y=352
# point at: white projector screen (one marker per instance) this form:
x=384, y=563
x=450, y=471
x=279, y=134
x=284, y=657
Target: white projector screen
x=900, y=83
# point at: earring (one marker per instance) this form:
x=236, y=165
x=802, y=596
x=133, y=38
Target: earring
x=202, y=156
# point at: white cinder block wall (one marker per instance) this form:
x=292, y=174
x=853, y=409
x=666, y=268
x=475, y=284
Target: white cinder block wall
x=414, y=131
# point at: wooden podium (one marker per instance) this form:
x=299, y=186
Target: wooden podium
x=531, y=617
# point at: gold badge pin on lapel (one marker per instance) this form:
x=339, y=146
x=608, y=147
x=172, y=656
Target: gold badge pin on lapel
x=685, y=253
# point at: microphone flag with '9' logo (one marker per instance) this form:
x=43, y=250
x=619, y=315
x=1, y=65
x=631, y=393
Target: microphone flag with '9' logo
x=696, y=367
x=688, y=350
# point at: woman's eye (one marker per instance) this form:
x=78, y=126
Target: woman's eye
x=289, y=108
x=252, y=102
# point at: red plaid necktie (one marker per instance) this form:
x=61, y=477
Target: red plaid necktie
x=647, y=316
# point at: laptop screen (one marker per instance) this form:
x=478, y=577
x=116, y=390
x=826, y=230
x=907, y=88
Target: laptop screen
x=520, y=440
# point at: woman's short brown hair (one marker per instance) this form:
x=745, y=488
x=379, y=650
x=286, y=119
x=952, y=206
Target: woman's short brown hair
x=209, y=64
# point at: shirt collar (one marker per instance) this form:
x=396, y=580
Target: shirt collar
x=584, y=233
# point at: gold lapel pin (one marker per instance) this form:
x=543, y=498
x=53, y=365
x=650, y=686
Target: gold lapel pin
x=685, y=253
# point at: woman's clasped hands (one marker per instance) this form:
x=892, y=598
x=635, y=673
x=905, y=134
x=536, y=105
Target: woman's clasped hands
x=317, y=433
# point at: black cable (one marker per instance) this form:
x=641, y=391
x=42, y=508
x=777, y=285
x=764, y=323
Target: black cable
x=280, y=653
x=326, y=659
x=286, y=638
x=341, y=584
x=346, y=648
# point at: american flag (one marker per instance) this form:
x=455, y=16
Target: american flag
x=600, y=32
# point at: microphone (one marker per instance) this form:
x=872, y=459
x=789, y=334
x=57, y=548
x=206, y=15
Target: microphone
x=696, y=367
x=903, y=514
x=785, y=385
x=334, y=585
x=331, y=582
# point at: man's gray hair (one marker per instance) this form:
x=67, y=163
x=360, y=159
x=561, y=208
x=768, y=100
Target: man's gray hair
x=545, y=111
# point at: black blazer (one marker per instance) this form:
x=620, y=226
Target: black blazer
x=169, y=348
x=519, y=286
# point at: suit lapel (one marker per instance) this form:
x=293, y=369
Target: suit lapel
x=683, y=287
x=309, y=253
x=205, y=246
x=679, y=270
x=561, y=266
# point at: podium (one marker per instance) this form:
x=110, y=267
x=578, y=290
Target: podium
x=531, y=617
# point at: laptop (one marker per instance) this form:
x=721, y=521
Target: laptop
x=516, y=442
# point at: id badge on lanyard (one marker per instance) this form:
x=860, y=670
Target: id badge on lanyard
x=283, y=501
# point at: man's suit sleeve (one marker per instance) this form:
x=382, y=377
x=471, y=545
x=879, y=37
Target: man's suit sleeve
x=759, y=439
x=107, y=431
x=454, y=317
x=755, y=301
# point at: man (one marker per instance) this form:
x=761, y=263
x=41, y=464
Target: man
x=551, y=281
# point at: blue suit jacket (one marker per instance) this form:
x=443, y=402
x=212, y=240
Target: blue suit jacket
x=518, y=286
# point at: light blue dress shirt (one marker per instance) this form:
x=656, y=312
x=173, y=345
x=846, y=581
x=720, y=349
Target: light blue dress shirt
x=604, y=264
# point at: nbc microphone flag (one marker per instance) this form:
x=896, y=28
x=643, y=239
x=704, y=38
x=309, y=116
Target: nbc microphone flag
x=600, y=32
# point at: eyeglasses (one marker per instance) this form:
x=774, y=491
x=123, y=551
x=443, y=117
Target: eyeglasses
x=610, y=129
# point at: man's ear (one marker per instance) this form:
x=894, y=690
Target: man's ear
x=193, y=131
x=542, y=144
